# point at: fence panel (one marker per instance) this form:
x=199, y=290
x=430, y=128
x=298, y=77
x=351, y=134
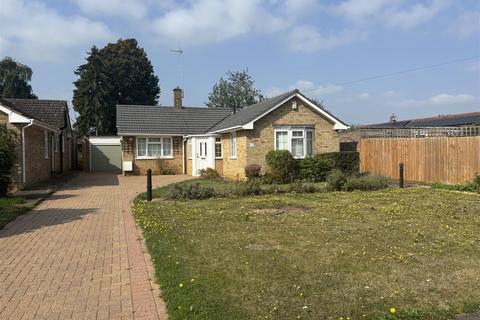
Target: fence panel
x=435, y=159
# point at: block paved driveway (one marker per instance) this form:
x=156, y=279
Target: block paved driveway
x=79, y=255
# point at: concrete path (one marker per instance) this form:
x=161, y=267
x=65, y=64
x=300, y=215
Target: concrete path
x=78, y=255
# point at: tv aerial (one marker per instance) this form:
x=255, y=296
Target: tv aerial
x=179, y=53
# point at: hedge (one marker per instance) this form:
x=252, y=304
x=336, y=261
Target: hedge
x=7, y=157
x=347, y=161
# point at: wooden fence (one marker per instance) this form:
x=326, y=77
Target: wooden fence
x=435, y=159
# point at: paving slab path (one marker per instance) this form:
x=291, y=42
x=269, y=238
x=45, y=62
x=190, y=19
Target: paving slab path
x=79, y=255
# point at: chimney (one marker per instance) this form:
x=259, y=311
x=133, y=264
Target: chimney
x=177, y=98
x=393, y=118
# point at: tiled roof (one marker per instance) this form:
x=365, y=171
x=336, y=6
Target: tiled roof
x=460, y=119
x=51, y=112
x=167, y=120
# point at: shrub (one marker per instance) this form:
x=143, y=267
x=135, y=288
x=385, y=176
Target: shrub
x=315, y=168
x=247, y=188
x=336, y=180
x=469, y=186
x=366, y=183
x=302, y=187
x=192, y=191
x=272, y=189
x=167, y=171
x=252, y=171
x=7, y=157
x=272, y=177
x=209, y=174
x=347, y=161
x=282, y=163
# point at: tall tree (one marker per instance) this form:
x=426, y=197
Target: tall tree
x=236, y=92
x=120, y=73
x=14, y=80
x=92, y=97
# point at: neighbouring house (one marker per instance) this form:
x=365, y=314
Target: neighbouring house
x=461, y=124
x=186, y=140
x=43, y=138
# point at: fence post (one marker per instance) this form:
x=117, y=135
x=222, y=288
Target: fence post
x=149, y=185
x=401, y=175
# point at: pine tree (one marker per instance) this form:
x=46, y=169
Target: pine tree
x=91, y=98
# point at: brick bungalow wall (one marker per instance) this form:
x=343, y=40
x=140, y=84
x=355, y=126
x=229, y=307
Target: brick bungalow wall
x=253, y=145
x=140, y=166
x=37, y=167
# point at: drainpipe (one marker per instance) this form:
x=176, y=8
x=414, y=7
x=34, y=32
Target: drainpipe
x=60, y=137
x=24, y=178
x=184, y=156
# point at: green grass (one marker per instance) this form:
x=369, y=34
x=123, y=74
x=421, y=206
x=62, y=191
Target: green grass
x=317, y=256
x=221, y=187
x=11, y=208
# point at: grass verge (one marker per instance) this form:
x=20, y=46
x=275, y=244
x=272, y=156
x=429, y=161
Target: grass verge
x=11, y=208
x=317, y=256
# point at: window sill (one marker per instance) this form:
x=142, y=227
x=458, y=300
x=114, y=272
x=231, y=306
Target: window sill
x=218, y=158
x=233, y=158
x=153, y=158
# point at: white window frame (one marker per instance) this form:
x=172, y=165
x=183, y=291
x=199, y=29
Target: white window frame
x=221, y=147
x=289, y=130
x=46, y=142
x=190, y=148
x=233, y=145
x=147, y=143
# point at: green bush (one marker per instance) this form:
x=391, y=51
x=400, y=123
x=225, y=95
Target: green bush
x=469, y=186
x=252, y=171
x=366, y=183
x=336, y=180
x=248, y=188
x=192, y=191
x=282, y=164
x=272, y=177
x=209, y=174
x=7, y=157
x=315, y=168
x=302, y=187
x=347, y=161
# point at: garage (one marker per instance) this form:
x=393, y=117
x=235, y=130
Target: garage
x=105, y=154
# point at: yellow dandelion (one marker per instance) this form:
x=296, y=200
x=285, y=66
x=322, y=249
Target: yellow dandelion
x=392, y=310
x=180, y=285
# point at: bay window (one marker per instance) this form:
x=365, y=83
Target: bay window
x=297, y=140
x=151, y=148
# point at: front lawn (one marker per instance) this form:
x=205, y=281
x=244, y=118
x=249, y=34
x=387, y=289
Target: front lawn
x=11, y=208
x=317, y=256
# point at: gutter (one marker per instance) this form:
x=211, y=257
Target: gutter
x=24, y=178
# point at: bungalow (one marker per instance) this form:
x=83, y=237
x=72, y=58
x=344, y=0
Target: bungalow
x=186, y=140
x=43, y=138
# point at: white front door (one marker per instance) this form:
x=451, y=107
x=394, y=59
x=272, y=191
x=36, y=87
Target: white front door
x=203, y=152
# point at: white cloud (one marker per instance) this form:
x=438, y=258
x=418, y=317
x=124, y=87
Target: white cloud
x=414, y=15
x=390, y=94
x=442, y=99
x=307, y=39
x=364, y=96
x=473, y=67
x=298, y=8
x=208, y=21
x=126, y=8
x=467, y=24
x=32, y=30
x=393, y=13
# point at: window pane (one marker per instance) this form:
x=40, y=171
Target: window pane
x=189, y=148
x=281, y=140
x=218, y=150
x=309, y=143
x=297, y=147
x=141, y=147
x=233, y=144
x=297, y=134
x=154, y=140
x=167, y=147
x=154, y=150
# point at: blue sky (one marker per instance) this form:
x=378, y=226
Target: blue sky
x=305, y=44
